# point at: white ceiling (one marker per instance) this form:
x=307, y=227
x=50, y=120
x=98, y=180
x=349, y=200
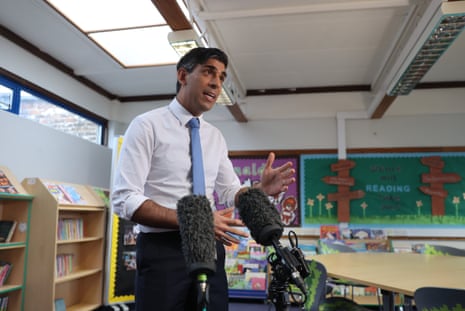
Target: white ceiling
x=273, y=45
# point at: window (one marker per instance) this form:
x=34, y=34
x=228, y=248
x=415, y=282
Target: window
x=6, y=98
x=52, y=112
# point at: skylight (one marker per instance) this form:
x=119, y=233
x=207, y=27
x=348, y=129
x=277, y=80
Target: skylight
x=121, y=29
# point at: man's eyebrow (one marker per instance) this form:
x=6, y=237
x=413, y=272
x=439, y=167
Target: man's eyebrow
x=223, y=74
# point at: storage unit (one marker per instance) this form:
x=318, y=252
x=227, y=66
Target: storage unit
x=67, y=246
x=247, y=269
x=15, y=205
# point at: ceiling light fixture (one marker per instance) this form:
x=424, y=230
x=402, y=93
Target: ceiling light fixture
x=435, y=32
x=182, y=42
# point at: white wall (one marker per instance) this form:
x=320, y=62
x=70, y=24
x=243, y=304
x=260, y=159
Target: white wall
x=30, y=149
x=425, y=118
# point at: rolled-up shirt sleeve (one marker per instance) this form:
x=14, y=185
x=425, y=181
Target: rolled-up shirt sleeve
x=132, y=169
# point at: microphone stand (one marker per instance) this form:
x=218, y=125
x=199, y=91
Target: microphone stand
x=202, y=289
x=278, y=294
x=287, y=266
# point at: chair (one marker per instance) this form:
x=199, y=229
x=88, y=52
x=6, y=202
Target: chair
x=316, y=296
x=432, y=249
x=437, y=298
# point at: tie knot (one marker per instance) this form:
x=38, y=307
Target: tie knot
x=194, y=123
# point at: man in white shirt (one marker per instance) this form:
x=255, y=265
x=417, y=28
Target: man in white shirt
x=154, y=172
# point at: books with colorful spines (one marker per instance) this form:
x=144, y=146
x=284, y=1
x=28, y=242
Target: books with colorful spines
x=5, y=269
x=7, y=228
x=4, y=303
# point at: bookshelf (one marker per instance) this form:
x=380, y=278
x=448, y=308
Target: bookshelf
x=67, y=244
x=15, y=205
x=247, y=269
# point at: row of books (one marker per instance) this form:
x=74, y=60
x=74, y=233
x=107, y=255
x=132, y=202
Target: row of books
x=4, y=303
x=70, y=229
x=342, y=232
x=65, y=194
x=5, y=269
x=64, y=264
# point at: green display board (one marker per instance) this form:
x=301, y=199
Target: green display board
x=386, y=189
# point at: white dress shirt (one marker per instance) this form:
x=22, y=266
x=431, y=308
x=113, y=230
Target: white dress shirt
x=154, y=163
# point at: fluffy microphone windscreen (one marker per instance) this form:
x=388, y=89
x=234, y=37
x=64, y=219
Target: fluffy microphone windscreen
x=260, y=216
x=195, y=219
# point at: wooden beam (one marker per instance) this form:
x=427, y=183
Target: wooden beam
x=173, y=14
x=237, y=113
x=383, y=106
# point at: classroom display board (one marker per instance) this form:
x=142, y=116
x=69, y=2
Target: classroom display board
x=249, y=171
x=398, y=189
x=121, y=254
x=122, y=261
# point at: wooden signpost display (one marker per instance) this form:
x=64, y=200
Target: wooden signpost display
x=343, y=196
x=436, y=178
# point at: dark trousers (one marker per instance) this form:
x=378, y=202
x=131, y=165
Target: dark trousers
x=162, y=281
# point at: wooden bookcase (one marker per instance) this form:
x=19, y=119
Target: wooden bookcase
x=68, y=221
x=15, y=204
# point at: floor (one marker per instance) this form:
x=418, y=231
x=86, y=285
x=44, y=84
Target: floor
x=234, y=305
x=255, y=305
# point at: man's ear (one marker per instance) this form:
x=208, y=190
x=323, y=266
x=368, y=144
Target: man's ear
x=182, y=75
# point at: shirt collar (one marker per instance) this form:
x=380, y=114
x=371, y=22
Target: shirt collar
x=181, y=113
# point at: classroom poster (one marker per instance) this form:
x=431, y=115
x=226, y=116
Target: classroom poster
x=249, y=170
x=422, y=189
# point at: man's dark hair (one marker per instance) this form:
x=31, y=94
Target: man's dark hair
x=199, y=56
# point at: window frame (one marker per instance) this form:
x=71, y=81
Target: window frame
x=18, y=84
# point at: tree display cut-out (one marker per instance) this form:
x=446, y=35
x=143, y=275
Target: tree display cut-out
x=344, y=181
x=436, y=180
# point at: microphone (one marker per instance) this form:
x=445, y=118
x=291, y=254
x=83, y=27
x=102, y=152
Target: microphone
x=265, y=226
x=195, y=219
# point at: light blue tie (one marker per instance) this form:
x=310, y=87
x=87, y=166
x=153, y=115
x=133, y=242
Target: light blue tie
x=198, y=178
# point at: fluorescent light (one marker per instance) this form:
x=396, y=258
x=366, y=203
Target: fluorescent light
x=182, y=42
x=445, y=25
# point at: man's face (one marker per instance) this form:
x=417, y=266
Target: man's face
x=201, y=88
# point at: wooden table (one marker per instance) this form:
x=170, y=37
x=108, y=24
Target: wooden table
x=396, y=272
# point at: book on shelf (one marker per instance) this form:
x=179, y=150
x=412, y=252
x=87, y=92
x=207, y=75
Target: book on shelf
x=64, y=264
x=330, y=232
x=361, y=233
x=5, y=183
x=4, y=303
x=7, y=229
x=5, y=269
x=60, y=304
x=70, y=228
x=8, y=182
